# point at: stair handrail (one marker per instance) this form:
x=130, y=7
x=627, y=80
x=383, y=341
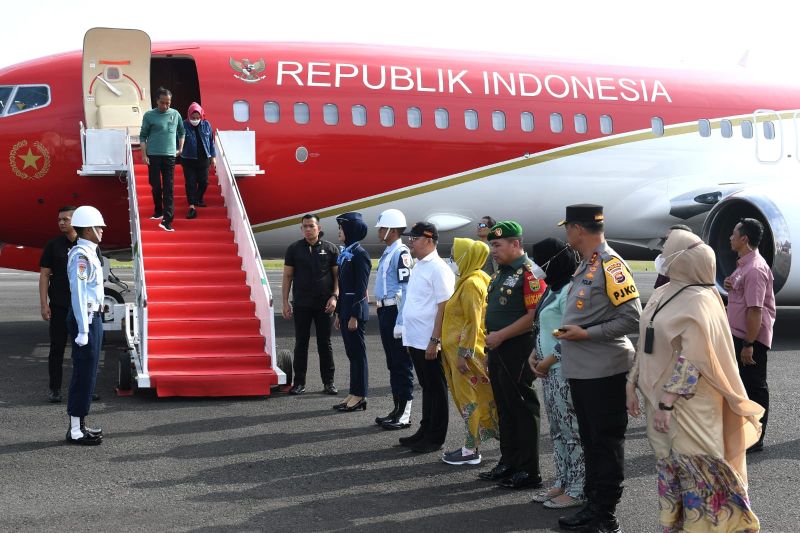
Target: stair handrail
x=142, y=372
x=256, y=275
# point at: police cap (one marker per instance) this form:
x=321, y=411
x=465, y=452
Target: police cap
x=583, y=213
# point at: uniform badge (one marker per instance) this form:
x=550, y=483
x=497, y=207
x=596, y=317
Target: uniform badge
x=593, y=259
x=534, y=285
x=406, y=260
x=83, y=268
x=498, y=232
x=519, y=271
x=589, y=276
x=582, y=292
x=579, y=304
x=620, y=286
x=503, y=300
x=509, y=291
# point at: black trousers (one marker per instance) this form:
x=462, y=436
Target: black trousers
x=518, y=409
x=435, y=410
x=303, y=317
x=161, y=172
x=754, y=378
x=195, y=173
x=58, y=343
x=398, y=361
x=356, y=350
x=602, y=421
x=84, y=366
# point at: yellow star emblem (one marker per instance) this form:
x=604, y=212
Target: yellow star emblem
x=30, y=159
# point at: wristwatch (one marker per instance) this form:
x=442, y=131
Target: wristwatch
x=434, y=340
x=748, y=344
x=664, y=407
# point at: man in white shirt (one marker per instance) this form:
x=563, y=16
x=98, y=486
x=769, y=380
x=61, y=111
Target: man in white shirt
x=432, y=283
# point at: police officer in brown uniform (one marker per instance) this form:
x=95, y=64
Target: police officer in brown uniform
x=602, y=308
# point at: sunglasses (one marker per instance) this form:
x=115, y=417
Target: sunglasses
x=483, y=225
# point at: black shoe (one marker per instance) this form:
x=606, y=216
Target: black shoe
x=86, y=440
x=359, y=405
x=166, y=226
x=497, y=473
x=331, y=389
x=423, y=446
x=392, y=425
x=583, y=517
x=340, y=406
x=391, y=416
x=757, y=447
x=521, y=480
x=412, y=439
x=192, y=213
x=201, y=203
x=92, y=432
x=156, y=216
x=54, y=396
x=297, y=390
x=604, y=523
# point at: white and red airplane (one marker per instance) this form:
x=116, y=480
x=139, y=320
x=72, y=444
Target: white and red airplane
x=445, y=136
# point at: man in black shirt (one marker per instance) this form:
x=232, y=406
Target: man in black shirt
x=310, y=271
x=53, y=284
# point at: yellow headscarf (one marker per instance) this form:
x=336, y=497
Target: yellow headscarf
x=470, y=257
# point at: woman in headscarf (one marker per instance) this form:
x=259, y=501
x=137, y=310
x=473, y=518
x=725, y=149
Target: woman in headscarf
x=352, y=309
x=463, y=354
x=198, y=153
x=558, y=262
x=699, y=419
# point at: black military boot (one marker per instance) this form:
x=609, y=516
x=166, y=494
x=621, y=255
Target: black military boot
x=402, y=418
x=582, y=518
x=391, y=416
x=92, y=432
x=604, y=522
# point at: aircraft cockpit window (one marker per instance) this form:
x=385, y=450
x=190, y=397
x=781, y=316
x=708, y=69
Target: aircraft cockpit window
x=442, y=118
x=387, y=116
x=359, y=115
x=414, y=116
x=28, y=98
x=747, y=129
x=769, y=130
x=330, y=114
x=606, y=125
x=704, y=126
x=5, y=92
x=556, y=122
x=498, y=120
x=526, y=121
x=726, y=128
x=657, y=125
x=471, y=119
x=301, y=113
x=272, y=112
x=581, y=124
x=241, y=110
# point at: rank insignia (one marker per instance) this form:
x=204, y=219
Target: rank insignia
x=519, y=271
x=579, y=304
x=503, y=300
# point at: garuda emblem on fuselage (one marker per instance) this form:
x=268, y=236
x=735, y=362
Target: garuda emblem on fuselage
x=247, y=71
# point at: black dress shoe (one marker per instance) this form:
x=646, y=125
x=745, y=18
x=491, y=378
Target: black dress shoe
x=297, y=390
x=757, y=447
x=192, y=213
x=497, y=473
x=395, y=424
x=412, y=439
x=391, y=416
x=86, y=440
x=583, y=517
x=604, y=523
x=340, y=406
x=201, y=203
x=92, y=432
x=331, y=389
x=423, y=446
x=54, y=396
x=521, y=480
x=359, y=405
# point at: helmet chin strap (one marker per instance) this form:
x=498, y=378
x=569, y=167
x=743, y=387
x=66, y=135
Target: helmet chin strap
x=99, y=238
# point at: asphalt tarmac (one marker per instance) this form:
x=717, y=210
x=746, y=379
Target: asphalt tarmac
x=291, y=463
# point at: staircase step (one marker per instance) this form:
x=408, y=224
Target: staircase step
x=163, y=248
x=211, y=346
x=192, y=263
x=216, y=384
x=201, y=329
x=254, y=362
x=201, y=310
x=182, y=293
x=195, y=277
x=198, y=237
x=143, y=189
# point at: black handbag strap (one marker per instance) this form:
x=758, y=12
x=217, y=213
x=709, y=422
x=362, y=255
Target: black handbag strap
x=661, y=306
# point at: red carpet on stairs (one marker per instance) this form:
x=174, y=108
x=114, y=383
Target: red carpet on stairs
x=203, y=334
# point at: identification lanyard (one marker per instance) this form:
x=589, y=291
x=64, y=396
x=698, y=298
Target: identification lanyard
x=649, y=334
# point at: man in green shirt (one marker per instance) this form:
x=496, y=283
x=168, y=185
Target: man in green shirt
x=162, y=129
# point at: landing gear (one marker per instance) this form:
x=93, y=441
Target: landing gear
x=124, y=373
x=285, y=364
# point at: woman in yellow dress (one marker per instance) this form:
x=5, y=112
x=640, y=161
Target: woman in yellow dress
x=463, y=354
x=699, y=419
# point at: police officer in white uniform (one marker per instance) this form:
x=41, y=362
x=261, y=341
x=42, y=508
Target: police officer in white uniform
x=394, y=270
x=85, y=273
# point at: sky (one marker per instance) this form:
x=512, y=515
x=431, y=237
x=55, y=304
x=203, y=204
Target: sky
x=703, y=33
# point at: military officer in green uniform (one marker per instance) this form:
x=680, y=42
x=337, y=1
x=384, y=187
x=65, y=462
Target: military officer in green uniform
x=602, y=307
x=511, y=302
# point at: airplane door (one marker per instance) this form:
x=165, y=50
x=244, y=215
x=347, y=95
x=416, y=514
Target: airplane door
x=116, y=78
x=769, y=135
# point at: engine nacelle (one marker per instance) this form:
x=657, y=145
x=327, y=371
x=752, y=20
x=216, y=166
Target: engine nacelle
x=779, y=211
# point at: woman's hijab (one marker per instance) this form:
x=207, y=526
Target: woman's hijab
x=353, y=226
x=694, y=324
x=470, y=257
x=557, y=260
x=194, y=106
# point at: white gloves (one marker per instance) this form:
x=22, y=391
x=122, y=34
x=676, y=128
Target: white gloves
x=82, y=339
x=398, y=332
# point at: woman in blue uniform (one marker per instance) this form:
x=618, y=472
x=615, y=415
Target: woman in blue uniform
x=85, y=273
x=352, y=310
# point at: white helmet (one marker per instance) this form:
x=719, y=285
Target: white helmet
x=391, y=218
x=87, y=216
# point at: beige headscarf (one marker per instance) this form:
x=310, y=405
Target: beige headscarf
x=695, y=325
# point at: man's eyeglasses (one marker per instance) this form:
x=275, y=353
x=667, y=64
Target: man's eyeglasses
x=412, y=239
x=483, y=225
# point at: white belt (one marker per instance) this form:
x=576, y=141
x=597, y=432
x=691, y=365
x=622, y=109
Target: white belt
x=386, y=302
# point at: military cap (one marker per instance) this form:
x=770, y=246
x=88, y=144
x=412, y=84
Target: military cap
x=506, y=228
x=423, y=229
x=586, y=213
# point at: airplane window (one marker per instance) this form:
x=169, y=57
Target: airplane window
x=769, y=130
x=581, y=124
x=414, y=117
x=241, y=110
x=442, y=118
x=556, y=123
x=606, y=125
x=330, y=114
x=5, y=92
x=498, y=120
x=387, y=116
x=747, y=129
x=704, y=126
x=272, y=112
x=657, y=125
x=526, y=121
x=301, y=113
x=359, y=115
x=471, y=119
x=28, y=98
x=726, y=128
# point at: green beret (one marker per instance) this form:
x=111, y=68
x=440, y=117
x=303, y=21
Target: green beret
x=507, y=228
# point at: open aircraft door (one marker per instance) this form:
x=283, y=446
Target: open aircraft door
x=769, y=135
x=116, y=78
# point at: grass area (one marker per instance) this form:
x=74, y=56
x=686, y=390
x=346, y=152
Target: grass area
x=642, y=266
